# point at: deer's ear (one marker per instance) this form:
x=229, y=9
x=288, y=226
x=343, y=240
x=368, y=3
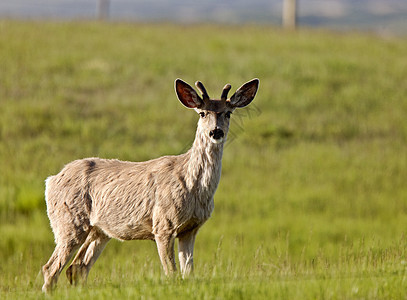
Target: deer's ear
x=245, y=94
x=187, y=95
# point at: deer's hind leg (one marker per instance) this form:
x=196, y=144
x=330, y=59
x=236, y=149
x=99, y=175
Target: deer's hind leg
x=63, y=252
x=87, y=255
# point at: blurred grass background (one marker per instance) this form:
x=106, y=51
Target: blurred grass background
x=313, y=197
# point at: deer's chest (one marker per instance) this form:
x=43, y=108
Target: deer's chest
x=203, y=208
x=197, y=217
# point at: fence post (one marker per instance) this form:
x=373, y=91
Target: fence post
x=290, y=14
x=103, y=12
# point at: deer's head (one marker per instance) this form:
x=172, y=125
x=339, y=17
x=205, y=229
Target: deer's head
x=215, y=113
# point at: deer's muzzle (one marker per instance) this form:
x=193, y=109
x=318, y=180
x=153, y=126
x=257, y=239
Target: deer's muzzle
x=216, y=134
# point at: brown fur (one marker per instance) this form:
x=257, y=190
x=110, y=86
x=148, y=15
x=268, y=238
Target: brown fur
x=93, y=200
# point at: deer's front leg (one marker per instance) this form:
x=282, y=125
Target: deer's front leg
x=186, y=252
x=165, y=246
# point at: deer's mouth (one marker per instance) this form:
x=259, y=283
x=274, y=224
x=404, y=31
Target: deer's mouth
x=217, y=135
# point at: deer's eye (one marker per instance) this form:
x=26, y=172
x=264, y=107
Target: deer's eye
x=227, y=114
x=202, y=114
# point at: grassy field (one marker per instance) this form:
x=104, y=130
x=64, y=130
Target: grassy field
x=312, y=203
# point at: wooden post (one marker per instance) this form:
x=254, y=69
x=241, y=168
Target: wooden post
x=103, y=12
x=290, y=14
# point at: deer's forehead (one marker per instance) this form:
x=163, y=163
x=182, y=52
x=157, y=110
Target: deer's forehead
x=215, y=105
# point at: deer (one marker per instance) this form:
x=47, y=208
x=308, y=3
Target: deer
x=92, y=200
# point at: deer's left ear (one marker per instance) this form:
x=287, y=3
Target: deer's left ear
x=245, y=94
x=187, y=95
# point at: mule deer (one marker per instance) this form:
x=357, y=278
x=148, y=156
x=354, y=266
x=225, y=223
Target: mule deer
x=92, y=200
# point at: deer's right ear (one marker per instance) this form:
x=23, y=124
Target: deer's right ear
x=187, y=95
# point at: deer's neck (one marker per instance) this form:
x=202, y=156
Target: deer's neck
x=204, y=164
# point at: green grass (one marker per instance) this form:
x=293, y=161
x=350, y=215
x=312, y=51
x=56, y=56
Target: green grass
x=312, y=202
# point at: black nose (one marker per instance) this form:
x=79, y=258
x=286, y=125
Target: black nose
x=217, y=133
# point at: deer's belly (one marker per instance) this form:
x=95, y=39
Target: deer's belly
x=125, y=230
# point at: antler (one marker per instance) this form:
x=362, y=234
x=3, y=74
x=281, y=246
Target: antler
x=225, y=92
x=201, y=87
